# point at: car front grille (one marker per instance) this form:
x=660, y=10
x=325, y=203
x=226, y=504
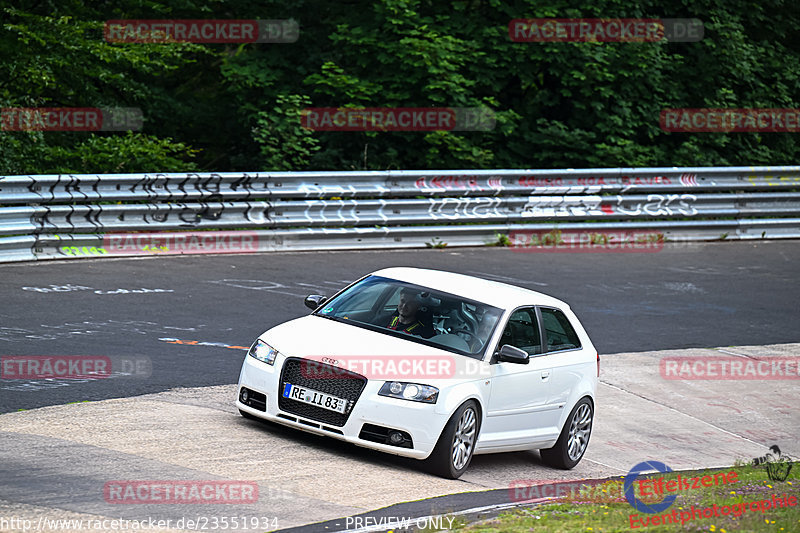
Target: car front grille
x=324, y=378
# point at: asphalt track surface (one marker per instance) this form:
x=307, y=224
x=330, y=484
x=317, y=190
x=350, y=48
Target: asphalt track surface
x=180, y=326
x=684, y=296
x=56, y=462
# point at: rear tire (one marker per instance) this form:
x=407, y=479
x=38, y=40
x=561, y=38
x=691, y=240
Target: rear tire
x=574, y=438
x=453, y=452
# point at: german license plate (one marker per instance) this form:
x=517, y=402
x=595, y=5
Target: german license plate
x=314, y=397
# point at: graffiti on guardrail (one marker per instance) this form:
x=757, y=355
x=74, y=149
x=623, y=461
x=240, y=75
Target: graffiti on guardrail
x=658, y=205
x=564, y=206
x=192, y=216
x=454, y=208
x=246, y=182
x=85, y=251
x=207, y=183
x=774, y=181
x=149, y=183
x=467, y=183
x=141, y=216
x=560, y=181
x=72, y=216
x=593, y=205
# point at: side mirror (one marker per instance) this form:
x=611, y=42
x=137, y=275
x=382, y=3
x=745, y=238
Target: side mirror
x=313, y=301
x=512, y=354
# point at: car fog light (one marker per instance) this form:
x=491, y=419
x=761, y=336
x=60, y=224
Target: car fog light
x=396, y=387
x=244, y=396
x=395, y=437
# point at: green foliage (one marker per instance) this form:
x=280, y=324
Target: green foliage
x=55, y=56
x=284, y=144
x=501, y=240
x=237, y=107
x=436, y=243
x=123, y=153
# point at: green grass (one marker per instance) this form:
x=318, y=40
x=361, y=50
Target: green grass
x=436, y=243
x=604, y=508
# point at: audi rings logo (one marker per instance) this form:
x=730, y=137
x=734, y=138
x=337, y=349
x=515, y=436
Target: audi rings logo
x=635, y=502
x=332, y=362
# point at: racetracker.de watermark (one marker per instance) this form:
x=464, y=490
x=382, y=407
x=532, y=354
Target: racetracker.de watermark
x=180, y=492
x=590, y=490
x=69, y=367
x=393, y=367
x=605, y=30
x=55, y=367
x=585, y=241
x=201, y=31
x=729, y=368
x=213, y=522
x=398, y=119
x=194, y=242
x=721, y=120
x=70, y=119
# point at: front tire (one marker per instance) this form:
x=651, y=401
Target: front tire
x=574, y=438
x=453, y=452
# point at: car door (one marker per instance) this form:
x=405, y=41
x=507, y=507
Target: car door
x=568, y=361
x=518, y=412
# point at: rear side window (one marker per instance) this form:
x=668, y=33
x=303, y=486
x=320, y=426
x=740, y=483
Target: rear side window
x=559, y=332
x=522, y=331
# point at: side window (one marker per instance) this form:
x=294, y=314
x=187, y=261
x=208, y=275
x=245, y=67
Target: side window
x=559, y=332
x=394, y=299
x=522, y=331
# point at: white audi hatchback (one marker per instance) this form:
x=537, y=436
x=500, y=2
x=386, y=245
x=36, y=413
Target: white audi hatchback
x=431, y=365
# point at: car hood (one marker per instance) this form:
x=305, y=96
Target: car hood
x=316, y=336
x=372, y=354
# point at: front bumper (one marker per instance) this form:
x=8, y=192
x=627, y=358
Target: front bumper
x=419, y=420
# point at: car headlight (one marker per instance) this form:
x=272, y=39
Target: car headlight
x=409, y=391
x=263, y=352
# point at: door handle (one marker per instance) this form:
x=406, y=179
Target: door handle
x=545, y=375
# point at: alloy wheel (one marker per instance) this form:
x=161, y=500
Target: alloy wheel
x=579, y=430
x=464, y=439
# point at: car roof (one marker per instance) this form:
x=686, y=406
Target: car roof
x=493, y=293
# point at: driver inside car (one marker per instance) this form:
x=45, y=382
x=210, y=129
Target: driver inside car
x=409, y=316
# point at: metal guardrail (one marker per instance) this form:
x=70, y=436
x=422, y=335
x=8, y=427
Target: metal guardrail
x=66, y=216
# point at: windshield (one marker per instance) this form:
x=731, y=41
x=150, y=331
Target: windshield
x=419, y=314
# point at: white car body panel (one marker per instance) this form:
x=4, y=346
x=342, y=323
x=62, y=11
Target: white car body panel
x=522, y=406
